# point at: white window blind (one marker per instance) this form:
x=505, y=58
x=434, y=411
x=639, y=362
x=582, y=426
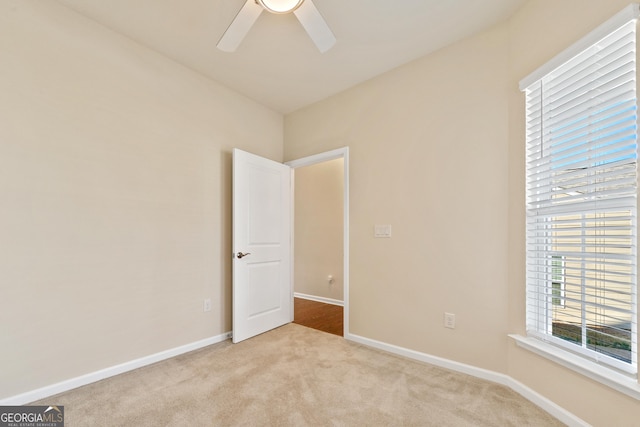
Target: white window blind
x=581, y=124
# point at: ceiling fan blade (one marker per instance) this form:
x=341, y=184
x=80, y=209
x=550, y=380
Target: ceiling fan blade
x=315, y=25
x=240, y=26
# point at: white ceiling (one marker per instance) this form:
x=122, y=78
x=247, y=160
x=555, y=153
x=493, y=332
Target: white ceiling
x=277, y=64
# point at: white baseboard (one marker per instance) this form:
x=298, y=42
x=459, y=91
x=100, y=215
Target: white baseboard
x=319, y=299
x=534, y=397
x=558, y=412
x=552, y=408
x=50, y=390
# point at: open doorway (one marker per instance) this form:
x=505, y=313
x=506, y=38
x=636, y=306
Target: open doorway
x=320, y=247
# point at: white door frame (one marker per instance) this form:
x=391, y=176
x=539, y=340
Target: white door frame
x=340, y=153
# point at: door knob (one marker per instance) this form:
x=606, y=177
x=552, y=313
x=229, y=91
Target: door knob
x=241, y=255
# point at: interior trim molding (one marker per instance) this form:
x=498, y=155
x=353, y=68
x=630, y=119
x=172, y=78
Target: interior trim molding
x=66, y=385
x=536, y=398
x=319, y=299
x=602, y=374
x=319, y=158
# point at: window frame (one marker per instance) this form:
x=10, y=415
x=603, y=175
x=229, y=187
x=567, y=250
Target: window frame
x=622, y=379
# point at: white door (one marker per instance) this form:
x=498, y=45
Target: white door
x=262, y=294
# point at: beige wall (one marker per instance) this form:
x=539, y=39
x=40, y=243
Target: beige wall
x=115, y=170
x=318, y=246
x=437, y=151
x=428, y=149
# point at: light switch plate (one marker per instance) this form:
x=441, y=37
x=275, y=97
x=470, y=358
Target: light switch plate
x=450, y=320
x=382, y=231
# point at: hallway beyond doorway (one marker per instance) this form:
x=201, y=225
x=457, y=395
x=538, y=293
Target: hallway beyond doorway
x=318, y=315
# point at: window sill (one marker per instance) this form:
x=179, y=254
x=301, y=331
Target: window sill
x=592, y=370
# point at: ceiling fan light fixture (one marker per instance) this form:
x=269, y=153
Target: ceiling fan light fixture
x=280, y=6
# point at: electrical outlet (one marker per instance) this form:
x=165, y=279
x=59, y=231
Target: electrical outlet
x=207, y=304
x=449, y=320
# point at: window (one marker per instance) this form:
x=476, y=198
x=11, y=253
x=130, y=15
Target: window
x=581, y=124
x=557, y=280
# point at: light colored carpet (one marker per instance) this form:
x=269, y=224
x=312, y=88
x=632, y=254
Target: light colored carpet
x=295, y=376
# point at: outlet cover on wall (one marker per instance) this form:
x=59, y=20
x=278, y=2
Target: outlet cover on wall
x=207, y=304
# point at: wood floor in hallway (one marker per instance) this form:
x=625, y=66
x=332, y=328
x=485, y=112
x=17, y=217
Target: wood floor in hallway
x=318, y=315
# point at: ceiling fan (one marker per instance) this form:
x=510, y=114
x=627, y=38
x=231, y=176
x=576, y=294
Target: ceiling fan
x=304, y=10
